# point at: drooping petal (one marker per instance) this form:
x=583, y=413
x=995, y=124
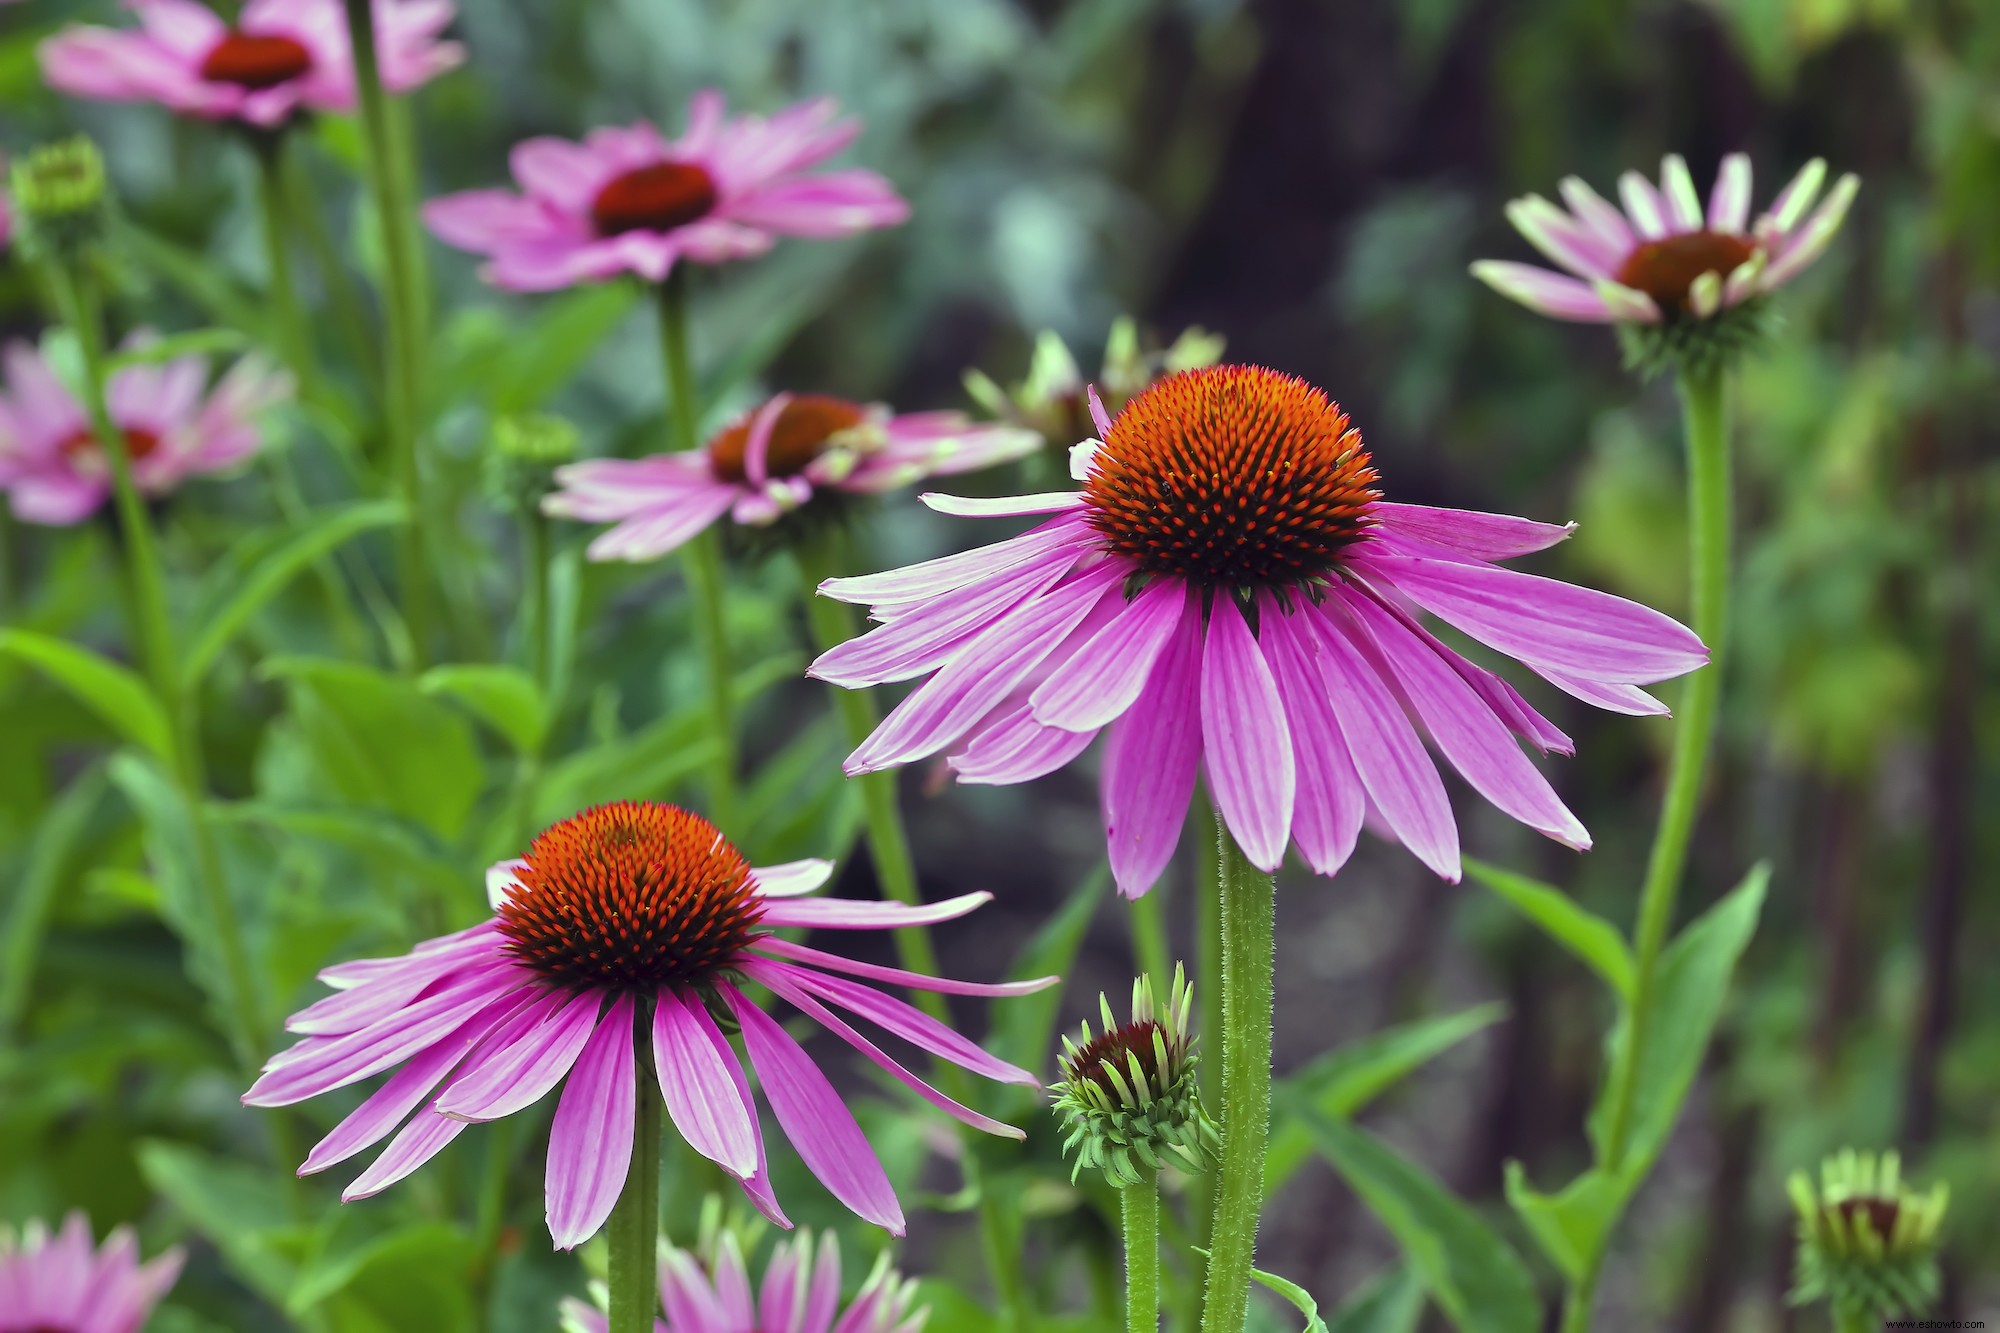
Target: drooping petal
x=833, y=962
x=922, y=641
x=427, y=1135
x=793, y=878
x=1326, y=818
x=1627, y=699
x=1469, y=532
x=1103, y=678
x=1546, y=293
x=590, y=1140
x=1150, y=762
x=700, y=1094
x=1011, y=747
x=911, y=1024
x=521, y=1066
x=863, y=914
x=1246, y=746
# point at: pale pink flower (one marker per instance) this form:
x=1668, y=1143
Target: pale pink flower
x=1228, y=594
x=51, y=465
x=60, y=1284
x=628, y=918
x=769, y=462
x=800, y=1294
x=1663, y=257
x=279, y=57
x=631, y=201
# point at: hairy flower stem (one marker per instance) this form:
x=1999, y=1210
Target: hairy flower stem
x=402, y=299
x=1704, y=410
x=76, y=301
x=833, y=623
x=1248, y=912
x=1140, y=1205
x=701, y=558
x=634, y=1228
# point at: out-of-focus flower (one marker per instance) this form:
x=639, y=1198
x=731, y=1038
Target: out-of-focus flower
x=800, y=1294
x=770, y=462
x=1867, y=1242
x=52, y=465
x=631, y=201
x=1228, y=593
x=63, y=196
x=1128, y=1097
x=1662, y=258
x=278, y=58
x=60, y=1284
x=628, y=918
x=1052, y=401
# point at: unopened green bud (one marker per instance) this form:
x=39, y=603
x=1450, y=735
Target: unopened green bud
x=61, y=194
x=1867, y=1241
x=527, y=449
x=1128, y=1098
x=1052, y=400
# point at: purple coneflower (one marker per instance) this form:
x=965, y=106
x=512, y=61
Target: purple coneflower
x=770, y=462
x=629, y=917
x=52, y=466
x=59, y=1284
x=800, y=1294
x=278, y=58
x=1663, y=257
x=630, y=201
x=1229, y=594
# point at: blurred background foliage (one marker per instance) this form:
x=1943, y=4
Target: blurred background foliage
x=1307, y=178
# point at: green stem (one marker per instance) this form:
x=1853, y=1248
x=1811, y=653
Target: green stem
x=402, y=298
x=1208, y=1001
x=294, y=339
x=1704, y=404
x=1141, y=1207
x=535, y=593
x=335, y=280
x=833, y=623
x=634, y=1228
x=1248, y=912
x=701, y=558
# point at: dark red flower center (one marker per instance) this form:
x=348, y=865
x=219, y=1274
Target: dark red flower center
x=634, y=895
x=656, y=198
x=1116, y=1048
x=799, y=435
x=139, y=442
x=1231, y=476
x=1665, y=269
x=1881, y=1214
x=256, y=60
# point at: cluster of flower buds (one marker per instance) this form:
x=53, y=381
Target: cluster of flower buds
x=1867, y=1241
x=1051, y=400
x=1128, y=1098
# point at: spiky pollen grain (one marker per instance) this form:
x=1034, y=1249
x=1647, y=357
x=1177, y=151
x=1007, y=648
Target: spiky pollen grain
x=632, y=896
x=659, y=197
x=800, y=434
x=1232, y=477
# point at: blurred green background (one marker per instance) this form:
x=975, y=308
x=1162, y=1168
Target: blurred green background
x=1309, y=179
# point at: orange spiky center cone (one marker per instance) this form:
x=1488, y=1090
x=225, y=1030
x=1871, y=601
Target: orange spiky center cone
x=1231, y=476
x=633, y=896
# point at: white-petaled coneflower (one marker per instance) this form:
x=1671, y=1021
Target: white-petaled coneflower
x=1867, y=1242
x=1128, y=1098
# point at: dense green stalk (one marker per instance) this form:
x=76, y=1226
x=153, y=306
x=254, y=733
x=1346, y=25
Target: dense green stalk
x=634, y=1228
x=336, y=282
x=1704, y=409
x=535, y=593
x=1248, y=917
x=1140, y=1205
x=701, y=558
x=402, y=300
x=294, y=339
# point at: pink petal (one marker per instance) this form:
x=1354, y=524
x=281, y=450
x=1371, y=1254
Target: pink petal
x=1010, y=747
x=833, y=962
x=520, y=1067
x=911, y=1024
x=1546, y=293
x=1246, y=745
x=1103, y=678
x=858, y=914
x=422, y=1139
x=590, y=1140
x=1469, y=532
x=1729, y=202
x=1627, y=699
x=1006, y=506
x=1326, y=818
x=933, y=578
x=1150, y=762
x=564, y=174
x=926, y=638
x=792, y=878
x=834, y=203
x=700, y=1094
x=815, y=1119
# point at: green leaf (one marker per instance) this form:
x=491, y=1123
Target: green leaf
x=222, y=298
x=62, y=827
x=114, y=692
x=322, y=535
x=1694, y=981
x=236, y=1206
x=1465, y=1265
x=195, y=342
x=1297, y=1295
x=380, y=742
x=1571, y=1227
x=1341, y=1082
x=392, y=844
x=1392, y=1303
x=1584, y=933
x=421, y=1270
x=1024, y=1028
x=504, y=698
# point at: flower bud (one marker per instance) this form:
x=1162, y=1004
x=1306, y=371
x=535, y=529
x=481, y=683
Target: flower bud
x=61, y=196
x=1128, y=1098
x=1867, y=1242
x=1051, y=401
x=527, y=449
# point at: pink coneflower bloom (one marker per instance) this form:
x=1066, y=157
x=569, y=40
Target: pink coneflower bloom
x=59, y=1284
x=1228, y=593
x=52, y=466
x=631, y=201
x=769, y=462
x=279, y=57
x=628, y=917
x=800, y=1294
x=1662, y=257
